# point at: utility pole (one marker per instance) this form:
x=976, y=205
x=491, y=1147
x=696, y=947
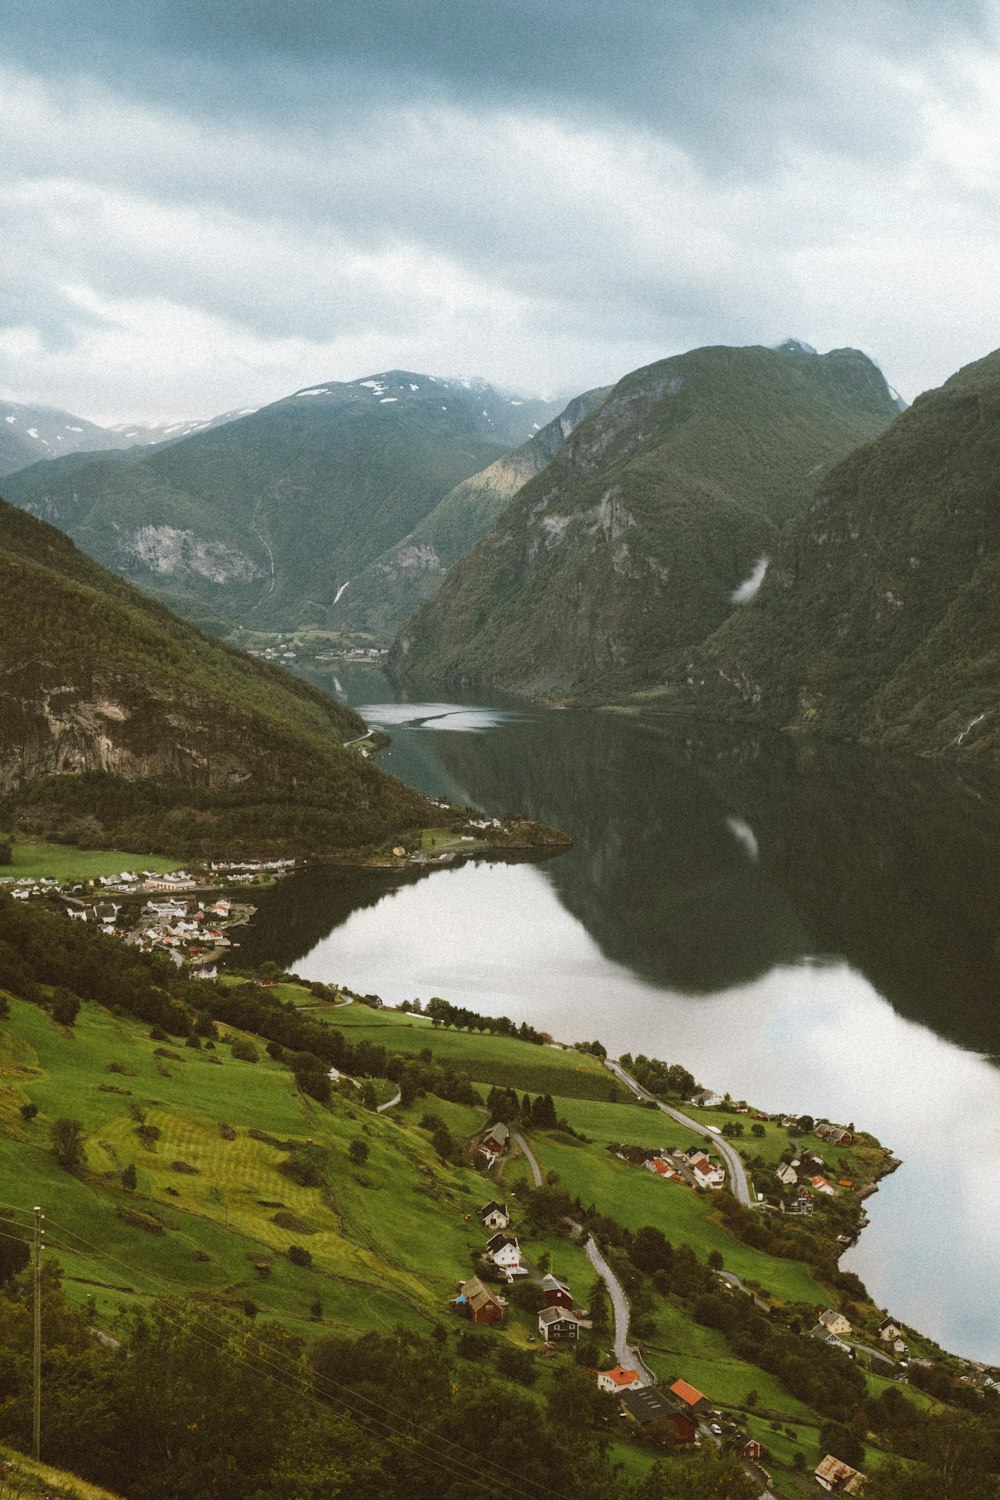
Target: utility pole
x=36, y=1424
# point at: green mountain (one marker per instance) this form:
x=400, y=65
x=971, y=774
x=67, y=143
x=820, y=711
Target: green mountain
x=634, y=541
x=175, y=741
x=260, y=521
x=388, y=591
x=878, y=617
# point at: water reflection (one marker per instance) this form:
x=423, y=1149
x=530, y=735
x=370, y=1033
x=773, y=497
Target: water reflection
x=811, y=926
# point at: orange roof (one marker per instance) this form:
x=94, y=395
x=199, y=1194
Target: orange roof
x=620, y=1376
x=686, y=1393
x=662, y=1167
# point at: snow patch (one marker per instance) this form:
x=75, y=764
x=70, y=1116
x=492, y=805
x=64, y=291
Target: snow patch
x=316, y=390
x=744, y=835
x=10, y=419
x=517, y=403
x=414, y=387
x=750, y=585
x=66, y=425
x=343, y=586
x=387, y=400
x=33, y=432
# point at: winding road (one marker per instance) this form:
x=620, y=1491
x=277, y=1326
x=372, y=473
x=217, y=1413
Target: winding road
x=738, y=1182
x=626, y=1354
x=536, y=1170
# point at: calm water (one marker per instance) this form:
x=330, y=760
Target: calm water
x=815, y=928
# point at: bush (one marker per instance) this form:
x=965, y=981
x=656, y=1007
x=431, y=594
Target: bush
x=67, y=1143
x=358, y=1152
x=29, y=1111
x=244, y=1050
x=299, y=1255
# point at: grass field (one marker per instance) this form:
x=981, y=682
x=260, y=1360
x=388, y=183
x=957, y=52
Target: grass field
x=34, y=858
x=635, y=1197
x=388, y=1239
x=500, y=1060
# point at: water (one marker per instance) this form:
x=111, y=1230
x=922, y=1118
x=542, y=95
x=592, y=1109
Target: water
x=812, y=927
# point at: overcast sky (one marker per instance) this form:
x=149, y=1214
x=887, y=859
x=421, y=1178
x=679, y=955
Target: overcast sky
x=209, y=203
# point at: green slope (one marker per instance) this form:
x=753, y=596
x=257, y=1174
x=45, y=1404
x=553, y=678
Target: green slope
x=261, y=520
x=176, y=742
x=631, y=543
x=385, y=593
x=878, y=617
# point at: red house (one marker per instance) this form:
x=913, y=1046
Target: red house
x=557, y=1293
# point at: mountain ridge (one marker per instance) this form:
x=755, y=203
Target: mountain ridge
x=633, y=540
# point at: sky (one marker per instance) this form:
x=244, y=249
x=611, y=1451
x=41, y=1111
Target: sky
x=211, y=203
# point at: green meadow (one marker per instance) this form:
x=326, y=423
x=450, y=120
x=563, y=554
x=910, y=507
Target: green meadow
x=34, y=858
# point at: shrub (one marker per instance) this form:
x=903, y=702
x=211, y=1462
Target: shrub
x=299, y=1255
x=244, y=1050
x=358, y=1152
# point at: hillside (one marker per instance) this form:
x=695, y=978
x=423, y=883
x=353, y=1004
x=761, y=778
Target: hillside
x=877, y=620
x=632, y=543
x=260, y=521
x=186, y=744
x=253, y=1234
x=387, y=592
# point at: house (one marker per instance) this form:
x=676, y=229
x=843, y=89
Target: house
x=824, y=1336
x=689, y=1397
x=657, y=1419
x=558, y=1325
x=617, y=1380
x=835, y=1135
x=787, y=1174
x=477, y=1302
x=889, y=1331
x=708, y=1175
x=659, y=1166
x=503, y=1250
x=494, y=1142
x=556, y=1293
x=493, y=1215
x=751, y=1451
x=839, y=1478
x=834, y=1322
x=707, y=1100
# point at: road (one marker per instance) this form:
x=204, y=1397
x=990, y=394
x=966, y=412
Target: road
x=536, y=1170
x=628, y=1357
x=738, y=1183
x=381, y=1108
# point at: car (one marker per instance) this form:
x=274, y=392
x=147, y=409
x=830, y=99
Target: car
x=716, y=1429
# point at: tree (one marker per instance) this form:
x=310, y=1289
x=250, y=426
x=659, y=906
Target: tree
x=64, y=1006
x=67, y=1143
x=757, y=1130
x=839, y=1440
x=244, y=1050
x=29, y=1111
x=6, y=848
x=715, y=1260
x=299, y=1255
x=358, y=1152
x=130, y=1177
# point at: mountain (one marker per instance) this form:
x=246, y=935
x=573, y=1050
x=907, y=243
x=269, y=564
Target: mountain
x=650, y=523
x=878, y=617
x=31, y=433
x=388, y=591
x=176, y=741
x=259, y=522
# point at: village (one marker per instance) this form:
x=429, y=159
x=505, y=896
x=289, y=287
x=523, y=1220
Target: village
x=170, y=912
x=676, y=1416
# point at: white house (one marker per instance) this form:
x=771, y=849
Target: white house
x=834, y=1321
x=617, y=1380
x=504, y=1251
x=708, y=1175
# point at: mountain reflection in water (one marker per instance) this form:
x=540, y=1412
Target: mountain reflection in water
x=810, y=925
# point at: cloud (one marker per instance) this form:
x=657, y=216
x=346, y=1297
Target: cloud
x=257, y=195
